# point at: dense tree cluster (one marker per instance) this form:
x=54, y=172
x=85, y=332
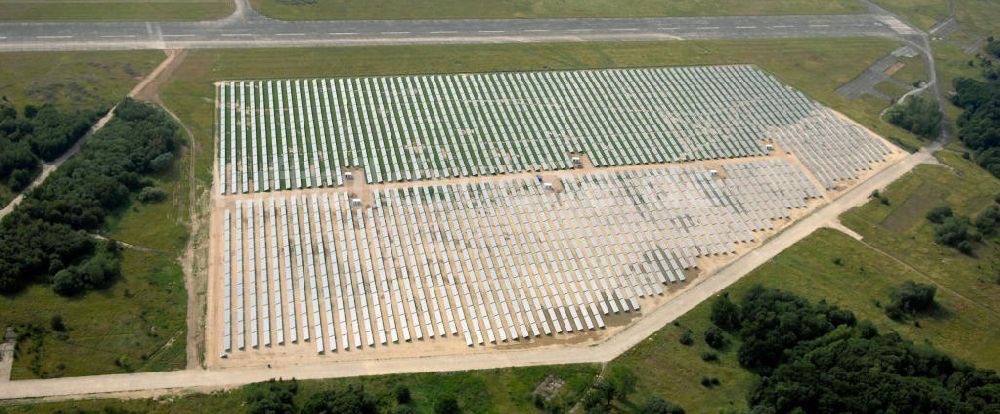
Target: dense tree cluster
x=46, y=233
x=815, y=358
x=917, y=114
x=772, y=321
x=39, y=134
x=979, y=124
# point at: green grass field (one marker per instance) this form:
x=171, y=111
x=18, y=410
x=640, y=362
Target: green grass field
x=135, y=10
x=142, y=316
x=921, y=13
x=534, y=9
x=73, y=80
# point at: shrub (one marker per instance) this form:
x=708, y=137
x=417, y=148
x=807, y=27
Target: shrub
x=57, y=323
x=272, y=397
x=709, y=356
x=686, y=338
x=986, y=222
x=657, y=405
x=725, y=313
x=909, y=299
x=402, y=394
x=714, y=337
x=838, y=261
x=447, y=405
x=161, y=162
x=952, y=231
x=19, y=179
x=938, y=214
x=352, y=399
x=709, y=382
x=150, y=195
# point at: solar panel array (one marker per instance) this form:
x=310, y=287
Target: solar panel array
x=487, y=262
x=294, y=134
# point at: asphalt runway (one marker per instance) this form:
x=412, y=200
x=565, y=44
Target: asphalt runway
x=246, y=29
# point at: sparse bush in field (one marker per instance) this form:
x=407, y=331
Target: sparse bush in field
x=686, y=338
x=709, y=356
x=658, y=405
x=909, y=299
x=714, y=337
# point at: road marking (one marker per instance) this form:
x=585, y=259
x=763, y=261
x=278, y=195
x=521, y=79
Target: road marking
x=746, y=27
x=491, y=31
x=632, y=29
x=53, y=37
x=581, y=30
x=342, y=33
x=536, y=30
x=819, y=25
x=118, y=36
x=444, y=32
x=392, y=33
x=708, y=28
x=668, y=28
x=781, y=27
x=3, y=37
x=290, y=34
x=235, y=34
x=178, y=35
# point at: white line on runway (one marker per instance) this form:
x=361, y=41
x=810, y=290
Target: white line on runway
x=536, y=30
x=781, y=27
x=668, y=28
x=746, y=27
x=444, y=32
x=118, y=36
x=581, y=30
x=631, y=29
x=342, y=33
x=491, y=31
x=236, y=34
x=178, y=35
x=290, y=34
x=391, y=33
x=708, y=28
x=53, y=37
x=3, y=37
x=819, y=25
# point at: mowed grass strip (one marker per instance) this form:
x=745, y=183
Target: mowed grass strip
x=530, y=9
x=112, y=10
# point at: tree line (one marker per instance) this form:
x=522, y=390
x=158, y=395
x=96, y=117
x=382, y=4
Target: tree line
x=37, y=134
x=818, y=358
x=46, y=238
